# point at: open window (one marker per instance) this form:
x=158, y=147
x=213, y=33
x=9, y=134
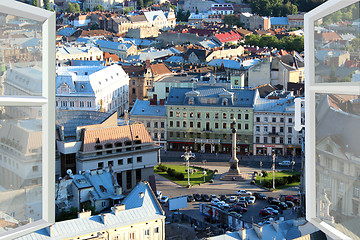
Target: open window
x=332, y=100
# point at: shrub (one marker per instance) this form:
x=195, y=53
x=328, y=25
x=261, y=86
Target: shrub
x=162, y=168
x=265, y=173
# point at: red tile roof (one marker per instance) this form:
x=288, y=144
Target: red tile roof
x=115, y=134
x=159, y=69
x=228, y=36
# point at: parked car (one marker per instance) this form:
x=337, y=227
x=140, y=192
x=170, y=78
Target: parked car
x=242, y=204
x=213, y=196
x=289, y=198
x=269, y=199
x=164, y=199
x=274, y=207
x=190, y=198
x=222, y=204
x=214, y=201
x=197, y=197
x=283, y=205
x=244, y=209
x=264, y=212
x=243, y=193
x=205, y=197
x=275, y=202
x=285, y=163
x=242, y=199
x=223, y=197
x=251, y=200
x=158, y=195
x=273, y=211
x=259, y=196
x=290, y=204
x=237, y=209
x=296, y=200
x=232, y=199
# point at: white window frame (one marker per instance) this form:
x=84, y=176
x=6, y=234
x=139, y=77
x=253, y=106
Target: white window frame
x=312, y=88
x=47, y=102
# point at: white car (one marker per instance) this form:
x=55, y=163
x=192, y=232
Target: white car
x=164, y=199
x=243, y=193
x=215, y=201
x=232, y=199
x=285, y=163
x=251, y=200
x=222, y=204
x=273, y=211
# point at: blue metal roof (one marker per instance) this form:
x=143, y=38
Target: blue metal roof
x=236, y=97
x=66, y=31
x=112, y=45
x=279, y=21
x=143, y=108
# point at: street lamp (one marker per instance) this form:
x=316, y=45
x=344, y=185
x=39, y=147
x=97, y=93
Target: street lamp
x=187, y=155
x=204, y=172
x=273, y=168
x=158, y=136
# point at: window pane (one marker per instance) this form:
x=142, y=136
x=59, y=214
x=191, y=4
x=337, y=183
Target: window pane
x=337, y=160
x=20, y=56
x=336, y=41
x=20, y=166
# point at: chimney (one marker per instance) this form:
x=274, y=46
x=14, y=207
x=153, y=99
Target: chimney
x=162, y=102
x=242, y=233
x=258, y=229
x=118, y=208
x=84, y=214
x=126, y=117
x=118, y=190
x=153, y=102
x=147, y=63
x=103, y=218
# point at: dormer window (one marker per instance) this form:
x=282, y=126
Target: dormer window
x=191, y=101
x=225, y=102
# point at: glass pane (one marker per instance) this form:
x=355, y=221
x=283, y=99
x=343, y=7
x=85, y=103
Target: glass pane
x=20, y=166
x=20, y=56
x=337, y=46
x=338, y=161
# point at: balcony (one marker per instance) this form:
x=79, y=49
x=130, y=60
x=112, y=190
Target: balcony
x=207, y=130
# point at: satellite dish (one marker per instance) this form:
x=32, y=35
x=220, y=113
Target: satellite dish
x=69, y=172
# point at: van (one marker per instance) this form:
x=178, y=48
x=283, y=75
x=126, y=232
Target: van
x=285, y=163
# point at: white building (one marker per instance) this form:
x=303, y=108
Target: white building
x=139, y=216
x=80, y=52
x=104, y=88
x=221, y=9
x=274, y=125
x=107, y=4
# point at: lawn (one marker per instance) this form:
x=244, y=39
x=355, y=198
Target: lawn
x=278, y=175
x=195, y=178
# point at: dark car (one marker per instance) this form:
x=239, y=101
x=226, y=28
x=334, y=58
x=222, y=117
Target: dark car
x=239, y=206
x=197, y=197
x=205, y=197
x=283, y=205
x=190, y=198
x=290, y=204
x=269, y=199
x=296, y=200
x=223, y=197
x=259, y=196
x=274, y=207
x=264, y=212
x=289, y=198
x=236, y=209
x=275, y=202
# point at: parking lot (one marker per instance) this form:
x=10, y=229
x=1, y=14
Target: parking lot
x=228, y=188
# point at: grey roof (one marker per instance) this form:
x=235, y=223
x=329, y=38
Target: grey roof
x=241, y=98
x=143, y=108
x=66, y=31
x=139, y=208
x=81, y=181
x=113, y=45
x=87, y=63
x=208, y=44
x=71, y=119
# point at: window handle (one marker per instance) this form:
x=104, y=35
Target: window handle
x=298, y=109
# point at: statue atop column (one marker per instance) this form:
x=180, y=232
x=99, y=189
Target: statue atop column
x=234, y=168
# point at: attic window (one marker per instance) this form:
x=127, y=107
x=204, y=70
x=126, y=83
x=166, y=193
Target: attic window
x=191, y=101
x=127, y=143
x=137, y=141
x=82, y=86
x=103, y=189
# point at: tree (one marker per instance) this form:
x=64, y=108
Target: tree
x=99, y=8
x=140, y=4
x=127, y=10
x=94, y=26
x=47, y=4
x=35, y=3
x=232, y=20
x=73, y=8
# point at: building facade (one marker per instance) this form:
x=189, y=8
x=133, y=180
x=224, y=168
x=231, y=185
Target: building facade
x=200, y=119
x=274, y=125
x=89, y=52
x=103, y=88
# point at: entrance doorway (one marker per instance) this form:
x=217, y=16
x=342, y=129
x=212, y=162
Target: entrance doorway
x=208, y=148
